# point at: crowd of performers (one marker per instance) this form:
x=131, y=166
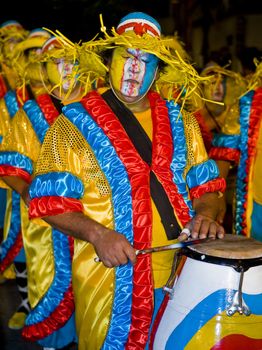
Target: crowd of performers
x=110, y=146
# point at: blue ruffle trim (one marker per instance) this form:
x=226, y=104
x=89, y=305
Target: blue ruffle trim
x=37, y=119
x=227, y=141
x=56, y=184
x=17, y=160
x=241, y=182
x=118, y=180
x=11, y=103
x=179, y=160
x=15, y=226
x=202, y=173
x=60, y=283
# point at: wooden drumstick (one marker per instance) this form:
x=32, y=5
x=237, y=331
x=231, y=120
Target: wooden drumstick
x=168, y=247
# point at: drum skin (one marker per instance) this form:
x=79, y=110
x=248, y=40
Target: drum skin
x=195, y=317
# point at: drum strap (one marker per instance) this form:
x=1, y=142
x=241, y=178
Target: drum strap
x=143, y=145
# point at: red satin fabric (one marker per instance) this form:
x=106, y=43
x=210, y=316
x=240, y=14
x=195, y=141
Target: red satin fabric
x=3, y=88
x=9, y=170
x=215, y=185
x=49, y=206
x=12, y=253
x=48, y=108
x=56, y=320
x=224, y=153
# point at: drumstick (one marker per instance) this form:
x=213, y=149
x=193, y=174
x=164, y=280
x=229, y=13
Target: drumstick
x=173, y=246
x=168, y=247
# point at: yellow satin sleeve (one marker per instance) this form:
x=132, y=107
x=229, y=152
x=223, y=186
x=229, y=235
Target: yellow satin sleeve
x=21, y=137
x=5, y=118
x=93, y=283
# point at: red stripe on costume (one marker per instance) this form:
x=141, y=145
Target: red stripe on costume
x=55, y=321
x=9, y=170
x=3, y=88
x=238, y=342
x=253, y=131
x=138, y=173
x=162, y=155
x=12, y=253
x=53, y=205
x=214, y=185
x=224, y=153
x=48, y=108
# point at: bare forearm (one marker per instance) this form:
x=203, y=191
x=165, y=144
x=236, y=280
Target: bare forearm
x=77, y=225
x=19, y=185
x=207, y=205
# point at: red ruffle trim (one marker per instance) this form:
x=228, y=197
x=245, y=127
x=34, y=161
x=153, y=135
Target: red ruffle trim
x=53, y=205
x=48, y=108
x=12, y=253
x=3, y=88
x=224, y=153
x=138, y=173
x=55, y=321
x=216, y=185
x=9, y=170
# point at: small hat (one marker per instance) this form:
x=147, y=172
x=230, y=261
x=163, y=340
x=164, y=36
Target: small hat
x=140, y=23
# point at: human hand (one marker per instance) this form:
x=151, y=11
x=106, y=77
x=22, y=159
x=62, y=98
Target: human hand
x=201, y=226
x=113, y=249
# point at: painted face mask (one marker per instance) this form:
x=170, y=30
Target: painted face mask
x=61, y=72
x=132, y=72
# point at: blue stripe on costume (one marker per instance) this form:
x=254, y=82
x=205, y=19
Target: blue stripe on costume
x=56, y=184
x=241, y=181
x=202, y=173
x=179, y=159
x=117, y=178
x=11, y=103
x=15, y=226
x=228, y=141
x=37, y=119
x=17, y=160
x=207, y=309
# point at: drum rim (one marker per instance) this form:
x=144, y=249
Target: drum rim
x=240, y=264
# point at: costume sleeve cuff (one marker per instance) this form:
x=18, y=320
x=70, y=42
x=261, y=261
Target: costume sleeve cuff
x=223, y=153
x=216, y=185
x=9, y=170
x=49, y=206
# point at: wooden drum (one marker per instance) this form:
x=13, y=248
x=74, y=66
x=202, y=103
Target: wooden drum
x=215, y=302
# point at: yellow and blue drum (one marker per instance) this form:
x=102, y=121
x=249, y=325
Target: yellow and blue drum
x=216, y=301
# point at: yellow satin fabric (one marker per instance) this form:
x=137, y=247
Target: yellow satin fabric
x=21, y=137
x=38, y=246
x=93, y=283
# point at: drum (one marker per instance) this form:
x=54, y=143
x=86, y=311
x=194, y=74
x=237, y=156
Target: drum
x=215, y=302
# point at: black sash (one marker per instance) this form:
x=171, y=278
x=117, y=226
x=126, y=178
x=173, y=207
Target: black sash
x=143, y=145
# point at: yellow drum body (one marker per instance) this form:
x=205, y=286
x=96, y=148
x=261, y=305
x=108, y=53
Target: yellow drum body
x=216, y=302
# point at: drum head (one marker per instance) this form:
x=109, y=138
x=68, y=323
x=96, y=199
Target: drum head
x=230, y=247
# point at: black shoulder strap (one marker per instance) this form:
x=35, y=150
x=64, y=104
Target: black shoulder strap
x=143, y=145
x=57, y=103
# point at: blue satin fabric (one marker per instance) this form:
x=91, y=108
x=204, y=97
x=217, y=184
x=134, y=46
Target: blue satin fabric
x=228, y=141
x=202, y=173
x=179, y=159
x=56, y=184
x=37, y=119
x=11, y=103
x=245, y=108
x=256, y=219
x=17, y=160
x=15, y=227
x=60, y=283
x=116, y=175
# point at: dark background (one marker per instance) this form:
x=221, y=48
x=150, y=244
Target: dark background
x=79, y=19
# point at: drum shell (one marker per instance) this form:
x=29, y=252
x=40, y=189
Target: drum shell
x=195, y=317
